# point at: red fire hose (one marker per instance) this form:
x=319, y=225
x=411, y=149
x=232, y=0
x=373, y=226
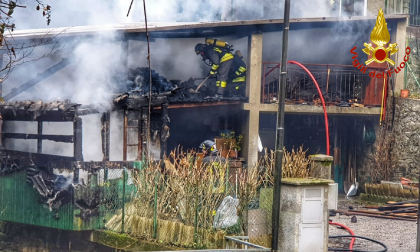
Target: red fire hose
x=320, y=95
x=348, y=229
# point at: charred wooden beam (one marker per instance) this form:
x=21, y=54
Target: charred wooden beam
x=125, y=135
x=1, y=80
x=63, y=162
x=144, y=134
x=138, y=103
x=140, y=137
x=87, y=112
x=164, y=132
x=42, y=160
x=9, y=114
x=39, y=143
x=105, y=135
x=55, y=138
x=50, y=71
x=78, y=138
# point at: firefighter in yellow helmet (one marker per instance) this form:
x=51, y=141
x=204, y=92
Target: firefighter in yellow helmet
x=223, y=63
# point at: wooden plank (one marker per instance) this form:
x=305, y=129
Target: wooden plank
x=164, y=132
x=78, y=139
x=9, y=114
x=39, y=143
x=138, y=103
x=55, y=138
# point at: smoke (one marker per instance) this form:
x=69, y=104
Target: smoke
x=105, y=12
x=98, y=59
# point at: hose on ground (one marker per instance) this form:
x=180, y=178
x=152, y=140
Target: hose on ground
x=353, y=239
x=348, y=230
x=359, y=237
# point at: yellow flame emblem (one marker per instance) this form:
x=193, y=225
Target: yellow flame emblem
x=380, y=36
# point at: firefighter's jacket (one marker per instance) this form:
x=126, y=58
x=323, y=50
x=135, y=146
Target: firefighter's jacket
x=217, y=170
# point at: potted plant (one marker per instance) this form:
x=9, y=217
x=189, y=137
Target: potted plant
x=230, y=143
x=404, y=93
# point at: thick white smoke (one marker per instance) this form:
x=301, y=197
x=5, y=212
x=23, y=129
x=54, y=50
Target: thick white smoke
x=89, y=79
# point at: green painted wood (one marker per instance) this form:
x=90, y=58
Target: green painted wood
x=19, y=203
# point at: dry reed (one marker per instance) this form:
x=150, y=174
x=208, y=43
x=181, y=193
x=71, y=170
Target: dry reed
x=183, y=197
x=296, y=164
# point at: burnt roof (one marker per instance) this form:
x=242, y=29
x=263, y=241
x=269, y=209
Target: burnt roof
x=201, y=29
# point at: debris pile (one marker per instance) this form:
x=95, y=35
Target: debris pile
x=52, y=188
x=138, y=80
x=177, y=91
x=406, y=210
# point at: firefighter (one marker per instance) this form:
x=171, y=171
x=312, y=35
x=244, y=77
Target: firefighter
x=211, y=154
x=215, y=163
x=237, y=75
x=224, y=65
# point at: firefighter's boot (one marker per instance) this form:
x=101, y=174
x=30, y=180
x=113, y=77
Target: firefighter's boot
x=220, y=92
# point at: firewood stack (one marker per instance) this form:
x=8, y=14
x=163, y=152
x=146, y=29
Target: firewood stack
x=406, y=210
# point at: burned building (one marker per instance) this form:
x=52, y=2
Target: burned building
x=173, y=116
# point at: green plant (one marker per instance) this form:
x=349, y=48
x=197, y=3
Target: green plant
x=232, y=144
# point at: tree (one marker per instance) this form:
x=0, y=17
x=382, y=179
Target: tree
x=414, y=61
x=16, y=53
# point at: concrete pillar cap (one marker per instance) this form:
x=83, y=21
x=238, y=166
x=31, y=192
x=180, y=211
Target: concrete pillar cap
x=321, y=157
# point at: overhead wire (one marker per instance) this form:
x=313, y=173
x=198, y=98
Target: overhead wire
x=150, y=77
x=150, y=82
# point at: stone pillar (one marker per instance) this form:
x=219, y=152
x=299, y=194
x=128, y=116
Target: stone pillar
x=253, y=92
x=304, y=215
x=321, y=166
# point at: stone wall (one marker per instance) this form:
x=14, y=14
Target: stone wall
x=406, y=148
x=405, y=143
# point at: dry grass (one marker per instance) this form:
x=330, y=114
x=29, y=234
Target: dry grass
x=183, y=197
x=296, y=164
x=181, y=192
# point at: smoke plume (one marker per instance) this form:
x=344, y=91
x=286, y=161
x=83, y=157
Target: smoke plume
x=98, y=59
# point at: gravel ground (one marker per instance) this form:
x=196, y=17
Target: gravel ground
x=397, y=235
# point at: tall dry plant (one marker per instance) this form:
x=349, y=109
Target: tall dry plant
x=296, y=164
x=181, y=191
x=248, y=181
x=383, y=168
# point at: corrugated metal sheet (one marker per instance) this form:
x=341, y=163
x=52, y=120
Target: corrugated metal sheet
x=19, y=203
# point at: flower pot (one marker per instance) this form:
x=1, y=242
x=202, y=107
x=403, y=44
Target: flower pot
x=223, y=146
x=404, y=93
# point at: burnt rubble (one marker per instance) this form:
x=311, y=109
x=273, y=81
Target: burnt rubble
x=45, y=111
x=175, y=90
x=138, y=80
x=53, y=189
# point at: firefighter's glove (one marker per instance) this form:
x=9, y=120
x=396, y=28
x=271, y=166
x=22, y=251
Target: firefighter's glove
x=212, y=74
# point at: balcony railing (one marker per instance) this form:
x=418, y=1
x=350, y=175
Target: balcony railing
x=414, y=19
x=340, y=85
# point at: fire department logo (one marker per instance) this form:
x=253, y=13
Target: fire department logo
x=380, y=36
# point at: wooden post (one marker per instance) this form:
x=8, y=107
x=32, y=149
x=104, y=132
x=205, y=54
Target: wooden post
x=140, y=137
x=125, y=135
x=39, y=147
x=105, y=135
x=164, y=132
x=78, y=137
x=144, y=120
